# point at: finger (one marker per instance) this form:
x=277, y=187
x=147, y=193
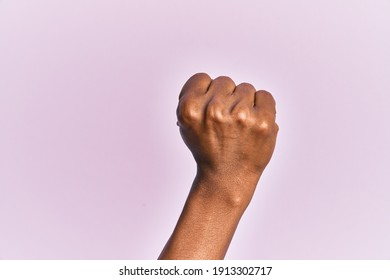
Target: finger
x=244, y=96
x=196, y=85
x=264, y=102
x=222, y=86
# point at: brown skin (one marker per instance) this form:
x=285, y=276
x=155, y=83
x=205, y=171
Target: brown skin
x=231, y=132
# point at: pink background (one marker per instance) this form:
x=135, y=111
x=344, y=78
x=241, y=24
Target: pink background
x=92, y=165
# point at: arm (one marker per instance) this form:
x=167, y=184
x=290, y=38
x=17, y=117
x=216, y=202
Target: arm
x=231, y=132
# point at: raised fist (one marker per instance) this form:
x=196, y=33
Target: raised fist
x=230, y=130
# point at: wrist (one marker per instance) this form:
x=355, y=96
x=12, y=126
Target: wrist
x=225, y=188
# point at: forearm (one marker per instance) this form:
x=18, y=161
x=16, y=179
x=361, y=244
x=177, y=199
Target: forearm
x=208, y=220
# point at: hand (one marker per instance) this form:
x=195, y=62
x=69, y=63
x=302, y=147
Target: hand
x=230, y=130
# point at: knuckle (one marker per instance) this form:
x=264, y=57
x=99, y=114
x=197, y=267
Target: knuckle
x=216, y=113
x=225, y=80
x=195, y=83
x=201, y=77
x=265, y=127
x=267, y=95
x=188, y=112
x=247, y=87
x=242, y=115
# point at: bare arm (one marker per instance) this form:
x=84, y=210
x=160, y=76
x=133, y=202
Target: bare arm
x=231, y=132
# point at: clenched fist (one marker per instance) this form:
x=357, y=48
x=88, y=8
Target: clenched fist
x=230, y=130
